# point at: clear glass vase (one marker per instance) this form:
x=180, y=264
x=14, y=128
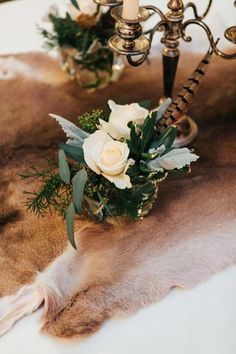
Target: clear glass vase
x=147, y=205
x=87, y=79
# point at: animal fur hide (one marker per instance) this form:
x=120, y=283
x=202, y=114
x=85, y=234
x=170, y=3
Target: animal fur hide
x=189, y=235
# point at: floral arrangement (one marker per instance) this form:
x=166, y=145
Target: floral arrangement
x=81, y=40
x=111, y=166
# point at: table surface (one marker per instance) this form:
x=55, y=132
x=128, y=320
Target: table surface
x=198, y=321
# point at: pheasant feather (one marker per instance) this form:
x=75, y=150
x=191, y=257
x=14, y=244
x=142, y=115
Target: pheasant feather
x=180, y=104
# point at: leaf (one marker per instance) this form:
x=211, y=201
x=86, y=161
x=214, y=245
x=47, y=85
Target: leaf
x=167, y=138
x=150, y=156
x=73, y=151
x=134, y=142
x=74, y=2
x=145, y=104
x=79, y=182
x=74, y=134
x=143, y=167
x=162, y=108
x=141, y=135
x=175, y=159
x=70, y=224
x=145, y=191
x=148, y=129
x=64, y=169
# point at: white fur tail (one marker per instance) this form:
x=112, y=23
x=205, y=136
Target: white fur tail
x=51, y=287
x=14, y=307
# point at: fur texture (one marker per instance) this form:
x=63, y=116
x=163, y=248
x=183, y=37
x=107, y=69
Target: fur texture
x=189, y=236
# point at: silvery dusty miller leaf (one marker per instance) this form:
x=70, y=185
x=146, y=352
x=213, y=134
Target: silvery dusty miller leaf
x=75, y=134
x=175, y=159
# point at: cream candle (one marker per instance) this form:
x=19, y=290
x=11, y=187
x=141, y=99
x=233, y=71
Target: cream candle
x=130, y=9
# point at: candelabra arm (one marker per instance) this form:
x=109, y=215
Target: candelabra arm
x=161, y=25
x=137, y=62
x=195, y=11
x=157, y=11
x=213, y=43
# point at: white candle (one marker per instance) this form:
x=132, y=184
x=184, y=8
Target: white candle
x=130, y=9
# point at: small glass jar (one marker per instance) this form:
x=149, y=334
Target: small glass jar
x=147, y=205
x=89, y=79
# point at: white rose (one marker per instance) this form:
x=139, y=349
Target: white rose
x=120, y=116
x=87, y=7
x=108, y=157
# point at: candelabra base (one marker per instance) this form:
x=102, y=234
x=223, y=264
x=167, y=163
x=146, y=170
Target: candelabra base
x=187, y=132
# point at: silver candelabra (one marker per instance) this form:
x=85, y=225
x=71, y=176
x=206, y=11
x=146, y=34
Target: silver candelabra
x=131, y=41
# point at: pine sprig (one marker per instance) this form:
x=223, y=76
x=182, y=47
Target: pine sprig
x=53, y=194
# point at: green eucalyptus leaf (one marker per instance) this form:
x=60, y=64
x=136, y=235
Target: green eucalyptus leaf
x=75, y=4
x=73, y=151
x=64, y=169
x=167, y=138
x=78, y=185
x=70, y=224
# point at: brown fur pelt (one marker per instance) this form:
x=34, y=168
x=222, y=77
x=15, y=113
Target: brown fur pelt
x=189, y=235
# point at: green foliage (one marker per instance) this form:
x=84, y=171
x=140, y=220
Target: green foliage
x=141, y=136
x=78, y=185
x=167, y=138
x=54, y=194
x=75, y=152
x=67, y=32
x=130, y=202
x=76, y=189
x=70, y=214
x=102, y=59
x=64, y=169
x=90, y=120
x=74, y=2
x=147, y=130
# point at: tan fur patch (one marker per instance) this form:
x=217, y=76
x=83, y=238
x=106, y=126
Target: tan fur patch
x=189, y=235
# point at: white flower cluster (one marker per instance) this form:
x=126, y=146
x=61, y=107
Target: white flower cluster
x=86, y=7
x=105, y=154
